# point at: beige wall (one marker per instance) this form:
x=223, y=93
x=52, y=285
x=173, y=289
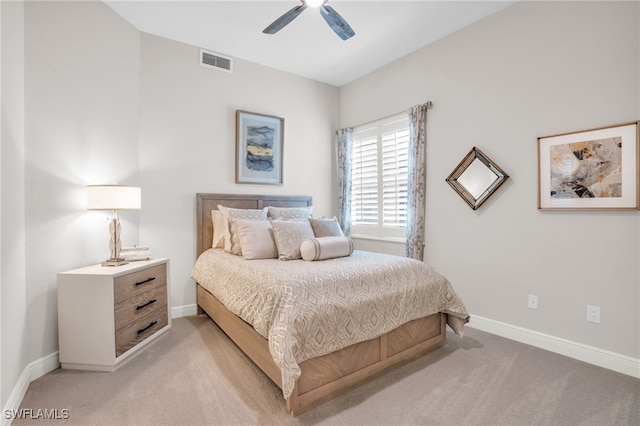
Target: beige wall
x=533, y=69
x=98, y=107
x=101, y=101
x=187, y=143
x=13, y=306
x=81, y=121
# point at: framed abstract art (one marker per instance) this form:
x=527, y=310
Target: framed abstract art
x=594, y=169
x=259, y=145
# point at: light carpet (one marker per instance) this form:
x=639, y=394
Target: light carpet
x=196, y=376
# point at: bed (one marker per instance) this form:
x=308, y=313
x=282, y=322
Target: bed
x=310, y=370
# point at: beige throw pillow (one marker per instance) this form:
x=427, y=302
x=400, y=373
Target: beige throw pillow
x=220, y=228
x=256, y=239
x=326, y=227
x=289, y=235
x=232, y=241
x=289, y=213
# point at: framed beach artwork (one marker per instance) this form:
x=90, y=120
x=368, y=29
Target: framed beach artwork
x=593, y=169
x=259, y=145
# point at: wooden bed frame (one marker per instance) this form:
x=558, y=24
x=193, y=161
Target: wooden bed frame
x=326, y=376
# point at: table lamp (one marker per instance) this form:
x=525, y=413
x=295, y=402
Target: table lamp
x=113, y=197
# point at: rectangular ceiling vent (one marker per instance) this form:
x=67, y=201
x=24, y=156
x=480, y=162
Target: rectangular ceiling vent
x=216, y=61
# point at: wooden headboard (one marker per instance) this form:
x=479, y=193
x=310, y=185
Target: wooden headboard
x=207, y=202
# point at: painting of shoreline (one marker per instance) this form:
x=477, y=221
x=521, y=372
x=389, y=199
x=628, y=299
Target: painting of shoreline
x=260, y=148
x=259, y=145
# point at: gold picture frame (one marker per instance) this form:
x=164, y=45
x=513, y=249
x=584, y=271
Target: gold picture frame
x=259, y=148
x=595, y=169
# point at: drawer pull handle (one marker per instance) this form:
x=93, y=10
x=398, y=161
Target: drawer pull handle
x=145, y=281
x=150, y=302
x=151, y=324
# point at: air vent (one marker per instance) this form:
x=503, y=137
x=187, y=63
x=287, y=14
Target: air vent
x=216, y=61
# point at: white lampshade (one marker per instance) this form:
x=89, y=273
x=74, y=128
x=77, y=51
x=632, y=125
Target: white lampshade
x=113, y=197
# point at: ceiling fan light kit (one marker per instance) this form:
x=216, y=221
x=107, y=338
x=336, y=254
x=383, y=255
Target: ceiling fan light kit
x=333, y=19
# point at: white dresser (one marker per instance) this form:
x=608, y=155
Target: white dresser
x=108, y=314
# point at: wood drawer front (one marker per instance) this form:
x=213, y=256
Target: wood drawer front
x=132, y=334
x=139, y=305
x=138, y=282
x=412, y=333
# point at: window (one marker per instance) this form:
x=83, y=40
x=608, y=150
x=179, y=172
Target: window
x=379, y=178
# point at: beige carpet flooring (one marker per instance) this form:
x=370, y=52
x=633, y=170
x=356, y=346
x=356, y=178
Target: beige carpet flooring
x=196, y=376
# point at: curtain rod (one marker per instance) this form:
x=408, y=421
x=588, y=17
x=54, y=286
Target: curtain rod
x=427, y=104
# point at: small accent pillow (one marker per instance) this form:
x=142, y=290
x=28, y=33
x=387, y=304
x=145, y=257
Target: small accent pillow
x=326, y=227
x=289, y=234
x=231, y=239
x=289, y=213
x=256, y=239
x=322, y=248
x=220, y=229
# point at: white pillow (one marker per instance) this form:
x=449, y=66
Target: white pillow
x=322, y=248
x=220, y=228
x=256, y=239
x=231, y=240
x=289, y=234
x=289, y=213
x=326, y=227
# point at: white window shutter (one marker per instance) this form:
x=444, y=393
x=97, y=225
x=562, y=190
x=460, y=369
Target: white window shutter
x=379, y=185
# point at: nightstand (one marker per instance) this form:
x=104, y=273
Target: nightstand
x=106, y=314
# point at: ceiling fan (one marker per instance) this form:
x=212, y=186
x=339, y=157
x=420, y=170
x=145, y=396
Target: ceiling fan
x=335, y=21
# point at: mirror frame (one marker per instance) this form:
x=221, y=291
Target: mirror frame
x=472, y=201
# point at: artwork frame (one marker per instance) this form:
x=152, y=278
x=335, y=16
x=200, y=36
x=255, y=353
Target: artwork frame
x=594, y=169
x=259, y=148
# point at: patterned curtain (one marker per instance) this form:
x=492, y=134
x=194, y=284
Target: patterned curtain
x=417, y=181
x=345, y=149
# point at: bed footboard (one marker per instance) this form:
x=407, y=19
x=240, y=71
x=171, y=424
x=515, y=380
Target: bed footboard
x=327, y=376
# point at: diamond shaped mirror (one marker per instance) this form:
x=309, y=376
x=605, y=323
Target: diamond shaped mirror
x=476, y=178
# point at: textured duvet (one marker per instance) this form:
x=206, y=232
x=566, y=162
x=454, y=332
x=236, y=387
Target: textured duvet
x=309, y=309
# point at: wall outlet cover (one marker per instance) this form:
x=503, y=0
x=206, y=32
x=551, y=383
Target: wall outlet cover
x=593, y=314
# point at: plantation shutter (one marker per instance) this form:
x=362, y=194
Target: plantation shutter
x=395, y=151
x=379, y=178
x=364, y=192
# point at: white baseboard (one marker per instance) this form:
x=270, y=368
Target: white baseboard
x=184, y=311
x=600, y=357
x=31, y=372
x=15, y=399
x=44, y=365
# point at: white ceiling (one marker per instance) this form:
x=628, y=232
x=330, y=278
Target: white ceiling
x=385, y=31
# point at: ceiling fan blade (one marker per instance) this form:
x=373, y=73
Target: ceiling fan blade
x=280, y=23
x=336, y=22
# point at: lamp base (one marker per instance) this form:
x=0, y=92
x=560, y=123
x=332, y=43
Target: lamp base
x=115, y=262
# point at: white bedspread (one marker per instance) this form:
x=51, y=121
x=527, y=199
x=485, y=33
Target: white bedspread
x=309, y=309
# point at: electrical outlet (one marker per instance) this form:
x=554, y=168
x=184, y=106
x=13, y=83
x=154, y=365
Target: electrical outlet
x=593, y=314
x=533, y=302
